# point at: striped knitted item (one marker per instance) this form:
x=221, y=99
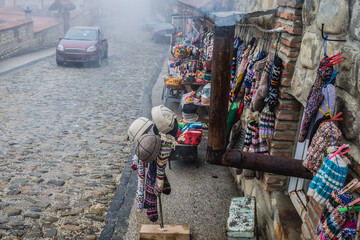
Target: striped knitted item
x=315, y=98
x=162, y=159
x=330, y=177
x=248, y=82
x=320, y=142
x=141, y=171
x=167, y=186
x=335, y=200
x=249, y=134
x=267, y=123
x=150, y=197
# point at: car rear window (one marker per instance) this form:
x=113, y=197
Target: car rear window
x=81, y=34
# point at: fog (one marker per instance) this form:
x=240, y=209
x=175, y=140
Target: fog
x=124, y=14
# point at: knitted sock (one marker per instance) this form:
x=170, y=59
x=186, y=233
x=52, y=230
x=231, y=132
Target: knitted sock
x=167, y=186
x=330, y=177
x=249, y=145
x=161, y=162
x=334, y=177
x=150, y=197
x=141, y=170
x=315, y=98
x=249, y=134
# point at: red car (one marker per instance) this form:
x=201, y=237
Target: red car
x=82, y=45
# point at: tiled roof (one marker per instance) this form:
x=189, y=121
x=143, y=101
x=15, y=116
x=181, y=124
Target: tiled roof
x=10, y=18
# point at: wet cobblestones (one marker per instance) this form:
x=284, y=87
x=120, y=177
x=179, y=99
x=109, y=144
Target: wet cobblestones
x=63, y=139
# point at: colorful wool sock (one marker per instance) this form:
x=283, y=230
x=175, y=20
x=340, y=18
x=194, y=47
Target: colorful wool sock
x=330, y=177
x=249, y=134
x=334, y=201
x=315, y=98
x=150, y=198
x=167, y=186
x=141, y=171
x=320, y=142
x=162, y=159
x=267, y=123
x=248, y=82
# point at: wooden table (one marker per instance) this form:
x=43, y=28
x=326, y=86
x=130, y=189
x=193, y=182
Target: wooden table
x=189, y=87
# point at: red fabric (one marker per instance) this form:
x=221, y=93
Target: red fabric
x=239, y=112
x=191, y=137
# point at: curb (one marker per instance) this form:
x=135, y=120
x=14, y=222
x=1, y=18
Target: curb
x=25, y=65
x=119, y=210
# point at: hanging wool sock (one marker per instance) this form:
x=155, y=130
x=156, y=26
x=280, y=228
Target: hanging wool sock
x=267, y=120
x=167, y=186
x=330, y=177
x=162, y=159
x=334, y=201
x=315, y=98
x=320, y=142
x=150, y=197
x=334, y=177
x=249, y=134
x=141, y=171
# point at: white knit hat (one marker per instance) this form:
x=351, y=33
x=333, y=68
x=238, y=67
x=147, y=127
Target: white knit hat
x=138, y=128
x=163, y=118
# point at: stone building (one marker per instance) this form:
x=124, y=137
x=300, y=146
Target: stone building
x=284, y=211
x=301, y=49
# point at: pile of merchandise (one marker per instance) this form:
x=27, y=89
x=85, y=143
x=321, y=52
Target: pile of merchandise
x=191, y=56
x=154, y=142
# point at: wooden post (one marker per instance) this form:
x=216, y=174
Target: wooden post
x=219, y=96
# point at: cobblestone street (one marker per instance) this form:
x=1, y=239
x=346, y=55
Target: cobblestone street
x=63, y=138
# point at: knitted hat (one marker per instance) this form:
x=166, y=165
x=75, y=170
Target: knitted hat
x=174, y=131
x=147, y=147
x=139, y=127
x=188, y=118
x=163, y=118
x=189, y=108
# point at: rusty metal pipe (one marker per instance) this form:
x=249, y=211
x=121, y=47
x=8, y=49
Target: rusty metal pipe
x=264, y=163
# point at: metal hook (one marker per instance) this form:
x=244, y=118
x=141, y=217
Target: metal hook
x=333, y=40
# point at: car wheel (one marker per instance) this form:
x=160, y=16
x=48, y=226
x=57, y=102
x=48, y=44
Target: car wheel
x=59, y=63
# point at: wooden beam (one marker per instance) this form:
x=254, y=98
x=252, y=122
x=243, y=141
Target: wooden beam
x=220, y=87
x=170, y=232
x=265, y=163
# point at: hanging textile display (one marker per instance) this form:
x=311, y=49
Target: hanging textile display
x=315, y=97
x=331, y=176
x=322, y=140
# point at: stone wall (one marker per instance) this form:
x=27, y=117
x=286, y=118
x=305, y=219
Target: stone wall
x=22, y=39
x=253, y=5
x=341, y=20
x=276, y=215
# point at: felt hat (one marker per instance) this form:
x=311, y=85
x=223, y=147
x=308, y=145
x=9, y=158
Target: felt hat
x=189, y=108
x=139, y=127
x=147, y=147
x=163, y=118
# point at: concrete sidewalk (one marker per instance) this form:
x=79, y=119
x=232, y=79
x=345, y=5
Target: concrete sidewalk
x=14, y=63
x=200, y=193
